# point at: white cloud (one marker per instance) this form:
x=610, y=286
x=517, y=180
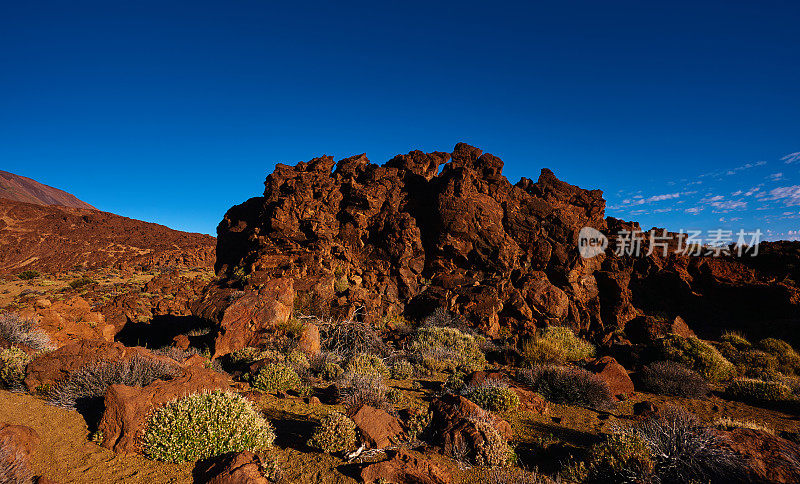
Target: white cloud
x=789, y=194
x=775, y=176
x=791, y=158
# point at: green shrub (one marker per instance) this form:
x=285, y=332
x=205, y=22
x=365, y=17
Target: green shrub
x=249, y=355
x=204, y=425
x=276, y=378
x=331, y=371
x=402, y=370
x=28, y=275
x=447, y=349
x=751, y=389
x=556, y=344
x=335, y=433
x=297, y=359
x=788, y=359
x=365, y=363
x=621, y=458
x=496, y=398
x=82, y=282
x=13, y=362
x=697, y=355
x=736, y=340
x=494, y=450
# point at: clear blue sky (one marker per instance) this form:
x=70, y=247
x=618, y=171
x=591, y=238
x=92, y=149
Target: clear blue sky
x=173, y=111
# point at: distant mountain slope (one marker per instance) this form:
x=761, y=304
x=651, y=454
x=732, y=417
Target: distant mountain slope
x=54, y=239
x=24, y=189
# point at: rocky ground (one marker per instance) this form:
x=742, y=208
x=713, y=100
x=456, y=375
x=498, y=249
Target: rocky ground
x=404, y=323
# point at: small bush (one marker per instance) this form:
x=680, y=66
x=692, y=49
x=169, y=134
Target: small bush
x=82, y=282
x=348, y=338
x=87, y=386
x=447, y=349
x=13, y=362
x=276, y=378
x=418, y=424
x=671, y=378
x=556, y=344
x=736, y=340
x=788, y=359
x=402, y=370
x=249, y=355
x=204, y=425
x=622, y=457
x=569, y=385
x=697, y=355
x=298, y=360
x=367, y=364
x=513, y=475
x=331, y=371
x=357, y=389
x=335, y=433
x=28, y=275
x=753, y=390
x=493, y=396
x=23, y=332
x=495, y=451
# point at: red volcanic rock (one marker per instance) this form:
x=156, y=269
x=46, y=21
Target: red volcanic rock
x=251, y=317
x=49, y=368
x=378, y=429
x=406, y=467
x=646, y=329
x=127, y=408
x=614, y=374
x=309, y=342
x=24, y=189
x=429, y=230
x=71, y=321
x=235, y=468
x=57, y=239
x=453, y=420
x=767, y=458
x=17, y=445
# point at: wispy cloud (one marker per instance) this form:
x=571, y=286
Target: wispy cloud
x=775, y=176
x=791, y=158
x=790, y=195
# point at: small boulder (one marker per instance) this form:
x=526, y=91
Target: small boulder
x=767, y=458
x=614, y=374
x=309, y=342
x=454, y=421
x=232, y=468
x=646, y=329
x=17, y=445
x=645, y=409
x=378, y=428
x=406, y=467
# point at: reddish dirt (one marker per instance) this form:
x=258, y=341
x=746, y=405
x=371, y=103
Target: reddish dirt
x=57, y=239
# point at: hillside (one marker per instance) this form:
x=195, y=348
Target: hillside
x=24, y=189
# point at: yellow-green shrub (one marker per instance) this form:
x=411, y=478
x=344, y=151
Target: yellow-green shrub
x=439, y=348
x=402, y=370
x=275, y=378
x=13, y=362
x=494, y=398
x=204, y=425
x=751, y=389
x=364, y=363
x=556, y=344
x=788, y=359
x=697, y=355
x=335, y=433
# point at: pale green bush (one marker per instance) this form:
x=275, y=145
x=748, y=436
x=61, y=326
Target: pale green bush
x=276, y=378
x=204, y=425
x=365, y=363
x=13, y=362
x=440, y=348
x=556, y=344
x=697, y=355
x=335, y=433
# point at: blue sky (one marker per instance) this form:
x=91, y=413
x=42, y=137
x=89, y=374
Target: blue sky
x=684, y=113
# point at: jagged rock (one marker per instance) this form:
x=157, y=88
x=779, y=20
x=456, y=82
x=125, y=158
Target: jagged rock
x=309, y=342
x=646, y=329
x=70, y=321
x=378, y=428
x=127, y=408
x=406, y=467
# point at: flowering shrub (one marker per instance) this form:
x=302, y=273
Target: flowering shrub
x=336, y=433
x=204, y=425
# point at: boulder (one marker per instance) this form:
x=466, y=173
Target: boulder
x=127, y=408
x=767, y=458
x=406, y=467
x=646, y=329
x=614, y=374
x=453, y=420
x=309, y=342
x=70, y=321
x=233, y=468
x=378, y=428
x=17, y=445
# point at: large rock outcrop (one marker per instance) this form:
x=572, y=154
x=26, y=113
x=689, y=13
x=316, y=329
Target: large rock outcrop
x=429, y=230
